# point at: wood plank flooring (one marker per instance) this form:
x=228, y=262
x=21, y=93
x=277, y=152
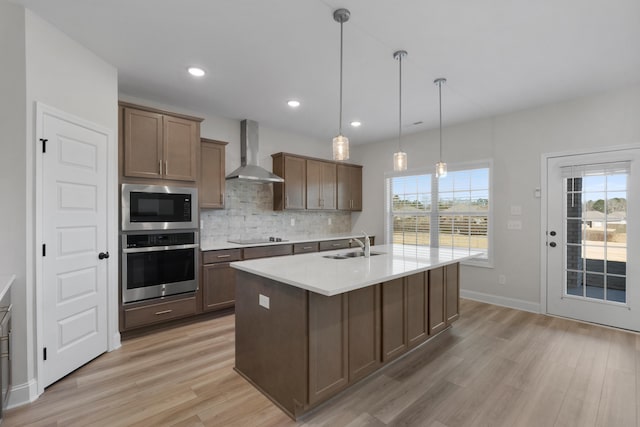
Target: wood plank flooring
x=495, y=367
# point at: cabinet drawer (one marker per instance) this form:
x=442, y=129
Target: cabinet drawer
x=226, y=255
x=303, y=248
x=334, y=244
x=267, y=251
x=160, y=312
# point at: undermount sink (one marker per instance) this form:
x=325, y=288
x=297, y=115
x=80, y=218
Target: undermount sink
x=348, y=255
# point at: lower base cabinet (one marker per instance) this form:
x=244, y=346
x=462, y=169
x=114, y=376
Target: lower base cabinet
x=301, y=348
x=143, y=314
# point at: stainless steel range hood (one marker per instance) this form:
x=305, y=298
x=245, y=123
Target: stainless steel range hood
x=249, y=170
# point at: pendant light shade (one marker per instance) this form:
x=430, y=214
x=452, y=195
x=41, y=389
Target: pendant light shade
x=341, y=142
x=400, y=157
x=441, y=167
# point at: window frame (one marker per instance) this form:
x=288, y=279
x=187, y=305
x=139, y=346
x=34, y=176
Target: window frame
x=435, y=209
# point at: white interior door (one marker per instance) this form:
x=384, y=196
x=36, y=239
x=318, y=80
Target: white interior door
x=74, y=232
x=593, y=238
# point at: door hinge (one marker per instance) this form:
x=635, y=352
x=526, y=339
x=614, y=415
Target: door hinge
x=44, y=249
x=44, y=353
x=44, y=144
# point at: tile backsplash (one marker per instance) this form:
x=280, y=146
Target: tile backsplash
x=249, y=214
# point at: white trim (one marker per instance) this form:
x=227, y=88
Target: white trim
x=544, y=159
x=21, y=394
x=113, y=333
x=517, y=304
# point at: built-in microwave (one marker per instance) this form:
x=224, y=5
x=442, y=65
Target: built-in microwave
x=158, y=207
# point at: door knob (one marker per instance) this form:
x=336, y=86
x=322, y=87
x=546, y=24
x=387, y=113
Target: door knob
x=103, y=255
x=552, y=244
x=553, y=233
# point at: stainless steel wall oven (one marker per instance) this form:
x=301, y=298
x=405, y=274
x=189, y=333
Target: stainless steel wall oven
x=157, y=264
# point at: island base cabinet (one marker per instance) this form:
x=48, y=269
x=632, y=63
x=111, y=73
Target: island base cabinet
x=271, y=340
x=417, y=309
x=394, y=324
x=364, y=332
x=328, y=340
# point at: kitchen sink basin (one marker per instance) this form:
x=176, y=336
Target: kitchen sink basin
x=348, y=255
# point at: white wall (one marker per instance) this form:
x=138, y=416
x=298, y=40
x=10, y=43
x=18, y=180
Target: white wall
x=12, y=167
x=59, y=72
x=515, y=142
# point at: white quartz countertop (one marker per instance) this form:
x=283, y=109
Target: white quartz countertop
x=5, y=284
x=329, y=277
x=214, y=245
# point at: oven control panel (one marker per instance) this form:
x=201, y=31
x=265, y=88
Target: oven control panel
x=160, y=239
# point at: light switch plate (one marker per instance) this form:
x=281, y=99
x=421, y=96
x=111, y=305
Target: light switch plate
x=516, y=210
x=263, y=300
x=293, y=222
x=514, y=224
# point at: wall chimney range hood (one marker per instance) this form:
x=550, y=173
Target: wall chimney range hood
x=249, y=170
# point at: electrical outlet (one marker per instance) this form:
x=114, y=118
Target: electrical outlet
x=293, y=222
x=516, y=210
x=514, y=224
x=263, y=300
x=329, y=221
x=502, y=279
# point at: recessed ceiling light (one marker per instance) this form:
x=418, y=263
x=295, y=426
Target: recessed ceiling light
x=196, y=72
x=293, y=103
x=356, y=124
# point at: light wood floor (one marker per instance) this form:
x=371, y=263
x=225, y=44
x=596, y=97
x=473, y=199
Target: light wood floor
x=495, y=367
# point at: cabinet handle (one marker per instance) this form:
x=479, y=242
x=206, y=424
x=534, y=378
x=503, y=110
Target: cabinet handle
x=306, y=247
x=335, y=244
x=163, y=312
x=224, y=256
x=166, y=167
x=160, y=167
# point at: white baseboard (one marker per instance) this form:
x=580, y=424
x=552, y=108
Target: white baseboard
x=518, y=304
x=21, y=394
x=115, y=342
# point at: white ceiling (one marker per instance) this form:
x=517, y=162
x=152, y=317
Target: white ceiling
x=498, y=56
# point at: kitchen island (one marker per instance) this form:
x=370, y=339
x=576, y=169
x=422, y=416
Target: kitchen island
x=309, y=326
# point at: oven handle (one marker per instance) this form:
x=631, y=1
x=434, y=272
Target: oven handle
x=159, y=248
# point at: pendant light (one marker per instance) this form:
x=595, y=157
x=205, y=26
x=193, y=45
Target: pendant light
x=341, y=142
x=441, y=167
x=400, y=157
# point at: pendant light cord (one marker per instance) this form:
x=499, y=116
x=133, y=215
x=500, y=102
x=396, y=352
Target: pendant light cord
x=340, y=118
x=440, y=103
x=400, y=105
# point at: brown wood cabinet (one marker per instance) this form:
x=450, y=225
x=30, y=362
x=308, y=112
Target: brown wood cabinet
x=417, y=288
x=163, y=309
x=437, y=313
x=328, y=345
x=218, y=279
x=394, y=322
x=330, y=245
x=303, y=248
x=349, y=187
x=160, y=146
x=292, y=193
x=321, y=185
x=212, y=173
x=452, y=292
x=364, y=332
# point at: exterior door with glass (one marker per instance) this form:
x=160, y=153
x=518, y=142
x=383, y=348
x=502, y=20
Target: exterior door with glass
x=592, y=238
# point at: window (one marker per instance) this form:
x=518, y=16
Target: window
x=450, y=212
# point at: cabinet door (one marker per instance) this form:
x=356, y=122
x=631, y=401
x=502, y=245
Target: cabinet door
x=218, y=286
x=437, y=316
x=328, y=185
x=356, y=188
x=394, y=332
x=343, y=187
x=417, y=309
x=212, y=181
x=180, y=149
x=364, y=331
x=142, y=143
x=452, y=292
x=295, y=182
x=328, y=346
x=314, y=184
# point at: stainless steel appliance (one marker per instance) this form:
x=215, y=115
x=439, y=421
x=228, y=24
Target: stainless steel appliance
x=157, y=264
x=158, y=207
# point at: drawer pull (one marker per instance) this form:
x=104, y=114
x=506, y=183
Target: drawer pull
x=336, y=244
x=224, y=256
x=306, y=247
x=163, y=312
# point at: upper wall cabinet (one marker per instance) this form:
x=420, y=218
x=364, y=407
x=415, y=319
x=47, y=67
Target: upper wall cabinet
x=212, y=172
x=349, y=187
x=316, y=184
x=321, y=185
x=160, y=146
x=292, y=193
